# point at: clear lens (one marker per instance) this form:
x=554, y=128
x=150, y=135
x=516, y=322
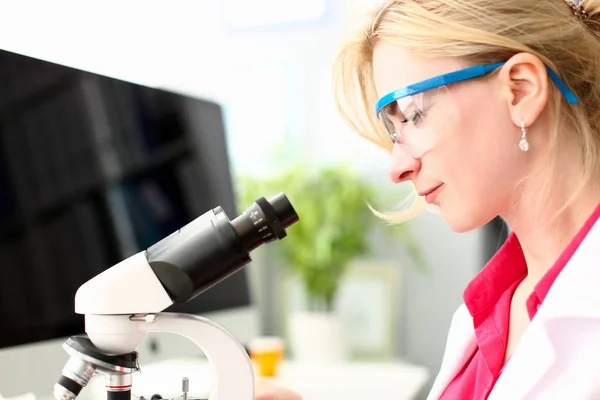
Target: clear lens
x=417, y=122
x=75, y=376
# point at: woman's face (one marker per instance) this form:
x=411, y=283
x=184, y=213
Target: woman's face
x=466, y=142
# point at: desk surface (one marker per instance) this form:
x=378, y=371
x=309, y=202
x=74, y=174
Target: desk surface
x=349, y=381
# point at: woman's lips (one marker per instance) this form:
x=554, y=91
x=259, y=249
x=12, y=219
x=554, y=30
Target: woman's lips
x=431, y=195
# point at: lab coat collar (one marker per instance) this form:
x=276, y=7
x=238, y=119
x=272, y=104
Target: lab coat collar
x=460, y=345
x=573, y=300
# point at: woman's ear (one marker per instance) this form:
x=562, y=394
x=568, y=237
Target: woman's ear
x=524, y=82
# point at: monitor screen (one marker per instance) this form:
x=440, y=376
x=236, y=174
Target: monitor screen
x=93, y=170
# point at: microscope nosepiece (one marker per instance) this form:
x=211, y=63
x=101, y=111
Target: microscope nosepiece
x=85, y=361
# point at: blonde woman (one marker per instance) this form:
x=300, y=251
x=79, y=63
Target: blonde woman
x=492, y=108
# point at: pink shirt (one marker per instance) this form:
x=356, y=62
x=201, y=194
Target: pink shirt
x=488, y=298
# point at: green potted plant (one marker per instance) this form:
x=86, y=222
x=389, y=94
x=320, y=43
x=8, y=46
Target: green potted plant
x=335, y=220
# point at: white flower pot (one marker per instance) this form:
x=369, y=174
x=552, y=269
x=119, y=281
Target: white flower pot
x=317, y=337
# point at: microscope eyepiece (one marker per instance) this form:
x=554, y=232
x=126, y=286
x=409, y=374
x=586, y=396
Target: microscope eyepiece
x=284, y=210
x=265, y=221
x=211, y=247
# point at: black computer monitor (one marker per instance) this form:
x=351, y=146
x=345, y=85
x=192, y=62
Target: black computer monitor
x=92, y=170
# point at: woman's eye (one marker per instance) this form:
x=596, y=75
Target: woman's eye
x=415, y=117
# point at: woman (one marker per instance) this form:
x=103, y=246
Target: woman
x=492, y=108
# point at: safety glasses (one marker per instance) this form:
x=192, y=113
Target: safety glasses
x=406, y=115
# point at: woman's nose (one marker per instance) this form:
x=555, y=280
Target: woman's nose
x=403, y=165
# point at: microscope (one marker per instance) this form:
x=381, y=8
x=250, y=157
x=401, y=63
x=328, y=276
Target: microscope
x=126, y=301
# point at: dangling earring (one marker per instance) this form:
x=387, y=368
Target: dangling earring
x=523, y=144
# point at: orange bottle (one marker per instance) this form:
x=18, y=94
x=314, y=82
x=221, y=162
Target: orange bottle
x=266, y=353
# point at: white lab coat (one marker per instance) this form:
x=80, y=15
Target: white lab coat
x=558, y=356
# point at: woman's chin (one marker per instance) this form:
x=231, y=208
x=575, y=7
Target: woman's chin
x=460, y=219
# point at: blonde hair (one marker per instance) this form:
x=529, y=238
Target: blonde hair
x=480, y=31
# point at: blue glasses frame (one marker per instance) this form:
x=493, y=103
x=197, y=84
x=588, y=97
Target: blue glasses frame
x=458, y=76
